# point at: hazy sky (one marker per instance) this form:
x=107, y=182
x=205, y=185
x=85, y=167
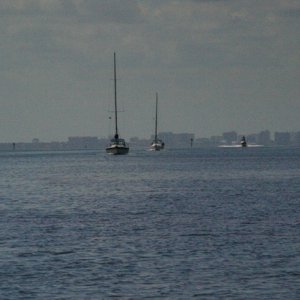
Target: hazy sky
x=217, y=65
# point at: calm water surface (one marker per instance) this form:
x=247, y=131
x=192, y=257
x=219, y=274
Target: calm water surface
x=179, y=224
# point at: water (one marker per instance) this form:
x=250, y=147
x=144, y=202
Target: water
x=178, y=224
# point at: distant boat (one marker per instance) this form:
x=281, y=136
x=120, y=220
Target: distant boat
x=117, y=145
x=243, y=142
x=156, y=144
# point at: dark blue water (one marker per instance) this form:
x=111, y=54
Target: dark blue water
x=178, y=224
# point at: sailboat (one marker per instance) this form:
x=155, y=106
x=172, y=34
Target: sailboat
x=117, y=145
x=243, y=142
x=156, y=144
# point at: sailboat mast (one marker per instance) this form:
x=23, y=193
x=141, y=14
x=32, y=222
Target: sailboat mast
x=155, y=137
x=115, y=87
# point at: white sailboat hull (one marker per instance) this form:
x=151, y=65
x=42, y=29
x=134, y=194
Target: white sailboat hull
x=156, y=147
x=117, y=150
x=117, y=147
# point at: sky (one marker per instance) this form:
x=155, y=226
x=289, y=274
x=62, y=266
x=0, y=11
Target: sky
x=217, y=66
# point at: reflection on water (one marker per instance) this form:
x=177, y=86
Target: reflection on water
x=207, y=223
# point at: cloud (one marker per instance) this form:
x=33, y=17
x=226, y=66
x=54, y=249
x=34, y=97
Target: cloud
x=171, y=46
x=169, y=32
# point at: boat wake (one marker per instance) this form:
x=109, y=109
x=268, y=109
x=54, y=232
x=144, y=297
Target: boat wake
x=239, y=146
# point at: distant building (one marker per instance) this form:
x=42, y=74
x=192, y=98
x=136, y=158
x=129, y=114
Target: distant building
x=137, y=143
x=216, y=140
x=230, y=137
x=203, y=142
x=264, y=138
x=282, y=138
x=176, y=140
x=295, y=138
x=251, y=138
x=35, y=141
x=84, y=142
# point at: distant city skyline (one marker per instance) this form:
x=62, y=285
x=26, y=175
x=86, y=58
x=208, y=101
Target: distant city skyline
x=216, y=65
x=171, y=140
x=223, y=137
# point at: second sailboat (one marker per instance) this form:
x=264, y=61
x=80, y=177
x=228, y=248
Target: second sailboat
x=156, y=144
